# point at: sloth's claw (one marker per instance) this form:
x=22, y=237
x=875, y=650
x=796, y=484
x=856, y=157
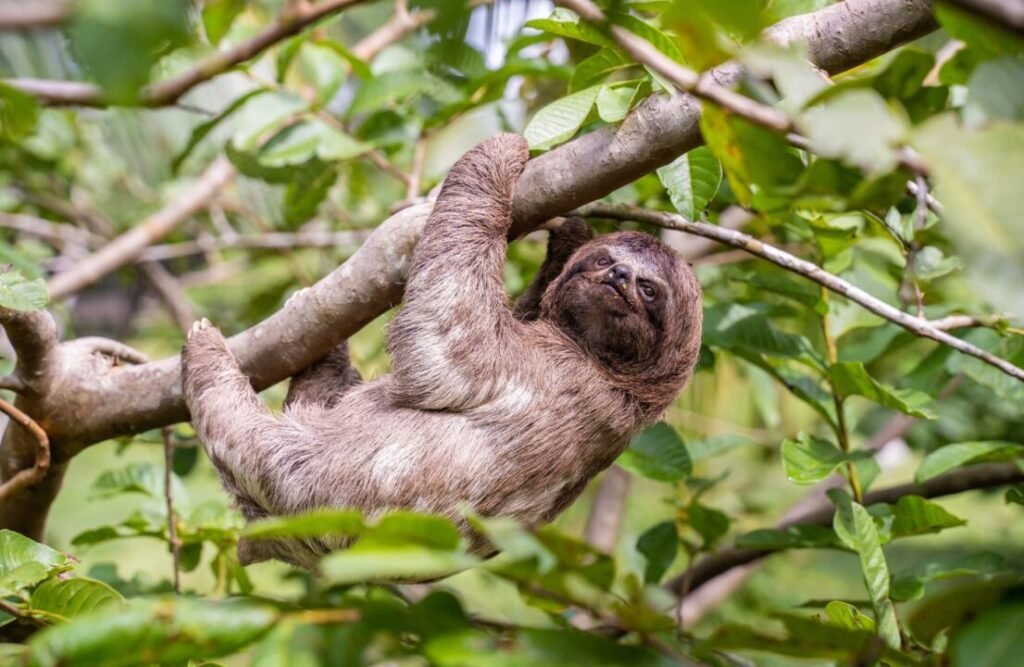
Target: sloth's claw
x=197, y=326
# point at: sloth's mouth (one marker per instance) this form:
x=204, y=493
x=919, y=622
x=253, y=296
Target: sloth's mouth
x=620, y=291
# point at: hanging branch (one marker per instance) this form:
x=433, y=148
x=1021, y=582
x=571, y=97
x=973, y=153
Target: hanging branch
x=34, y=14
x=167, y=92
x=28, y=476
x=915, y=325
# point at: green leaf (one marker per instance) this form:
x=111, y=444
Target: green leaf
x=850, y=378
x=857, y=127
x=692, y=180
x=144, y=478
x=268, y=111
x=648, y=33
x=914, y=515
x=947, y=458
x=595, y=68
x=799, y=536
x=659, y=545
x=289, y=643
x=404, y=527
x=168, y=630
x=709, y=523
x=930, y=263
x=1014, y=495
x=994, y=639
x=70, y=598
x=560, y=120
x=996, y=90
x=985, y=565
x=218, y=15
x=22, y=577
x=118, y=43
x=613, y=102
x=18, y=293
x=203, y=129
x=809, y=460
x=855, y=527
x=19, y=113
x=517, y=545
x=658, y=453
x=317, y=523
x=392, y=562
x=17, y=550
x=298, y=143
x=755, y=160
x=565, y=23
x=845, y=615
x=736, y=327
x=305, y=193
x=388, y=89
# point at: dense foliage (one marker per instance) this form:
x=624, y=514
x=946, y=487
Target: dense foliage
x=798, y=385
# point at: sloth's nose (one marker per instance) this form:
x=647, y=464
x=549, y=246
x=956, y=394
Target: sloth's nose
x=620, y=273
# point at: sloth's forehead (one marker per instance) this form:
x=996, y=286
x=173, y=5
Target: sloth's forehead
x=655, y=259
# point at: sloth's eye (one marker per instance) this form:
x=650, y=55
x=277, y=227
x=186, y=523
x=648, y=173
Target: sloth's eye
x=604, y=261
x=648, y=292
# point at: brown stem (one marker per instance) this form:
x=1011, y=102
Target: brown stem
x=35, y=14
x=32, y=475
x=608, y=509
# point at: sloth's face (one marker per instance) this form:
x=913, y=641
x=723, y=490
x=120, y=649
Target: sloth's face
x=626, y=297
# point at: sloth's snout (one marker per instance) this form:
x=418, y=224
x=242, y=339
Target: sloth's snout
x=620, y=274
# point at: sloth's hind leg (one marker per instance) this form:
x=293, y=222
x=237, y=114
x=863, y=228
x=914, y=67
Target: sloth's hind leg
x=325, y=381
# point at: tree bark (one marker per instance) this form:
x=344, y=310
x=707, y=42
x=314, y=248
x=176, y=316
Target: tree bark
x=82, y=409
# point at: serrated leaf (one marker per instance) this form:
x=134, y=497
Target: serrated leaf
x=659, y=545
x=560, y=120
x=658, y=453
x=17, y=293
x=850, y=378
x=692, y=180
x=855, y=527
x=947, y=458
x=144, y=478
x=166, y=630
x=69, y=598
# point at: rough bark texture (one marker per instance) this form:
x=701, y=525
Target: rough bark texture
x=79, y=409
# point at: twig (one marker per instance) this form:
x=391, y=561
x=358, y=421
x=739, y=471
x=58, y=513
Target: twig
x=270, y=241
x=131, y=244
x=34, y=14
x=401, y=23
x=60, y=235
x=28, y=476
x=171, y=292
x=419, y=155
x=172, y=517
x=821, y=513
x=167, y=92
x=916, y=325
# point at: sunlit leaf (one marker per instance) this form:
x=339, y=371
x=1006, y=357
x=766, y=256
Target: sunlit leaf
x=560, y=120
x=18, y=293
x=565, y=23
x=692, y=180
x=850, y=378
x=847, y=616
x=946, y=458
x=70, y=598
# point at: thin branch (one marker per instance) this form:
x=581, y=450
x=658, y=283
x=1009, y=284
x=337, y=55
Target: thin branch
x=269, y=241
x=171, y=293
x=401, y=23
x=915, y=325
x=172, y=517
x=167, y=92
x=28, y=476
x=34, y=14
x=1007, y=13
x=419, y=155
x=61, y=235
x=821, y=513
x=127, y=247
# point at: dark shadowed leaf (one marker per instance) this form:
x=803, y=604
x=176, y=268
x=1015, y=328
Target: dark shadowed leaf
x=659, y=545
x=658, y=453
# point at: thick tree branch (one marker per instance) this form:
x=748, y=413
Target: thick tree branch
x=821, y=513
x=607, y=510
x=915, y=325
x=33, y=14
x=164, y=93
x=127, y=247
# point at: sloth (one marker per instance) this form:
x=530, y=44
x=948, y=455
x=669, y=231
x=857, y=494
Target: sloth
x=507, y=410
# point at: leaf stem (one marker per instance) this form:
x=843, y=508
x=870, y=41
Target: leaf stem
x=842, y=434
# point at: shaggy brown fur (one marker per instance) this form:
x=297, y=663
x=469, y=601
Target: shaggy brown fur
x=509, y=413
